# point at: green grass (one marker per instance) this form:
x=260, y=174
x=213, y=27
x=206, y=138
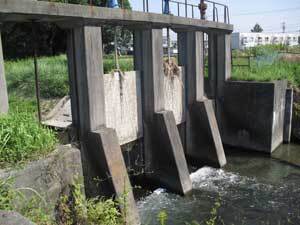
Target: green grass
x=53, y=72
x=267, y=65
x=274, y=71
x=23, y=139
x=53, y=76
x=73, y=209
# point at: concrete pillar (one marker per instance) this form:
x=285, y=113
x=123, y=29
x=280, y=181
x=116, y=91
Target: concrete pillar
x=164, y=156
x=223, y=61
x=191, y=56
x=203, y=142
x=101, y=153
x=288, y=114
x=223, y=72
x=88, y=75
x=212, y=64
x=3, y=88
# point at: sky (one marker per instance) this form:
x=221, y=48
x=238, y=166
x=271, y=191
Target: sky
x=270, y=14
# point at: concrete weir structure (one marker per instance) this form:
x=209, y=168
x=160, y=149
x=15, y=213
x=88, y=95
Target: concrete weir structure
x=171, y=116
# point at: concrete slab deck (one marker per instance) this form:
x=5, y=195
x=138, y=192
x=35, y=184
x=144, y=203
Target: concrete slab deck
x=72, y=15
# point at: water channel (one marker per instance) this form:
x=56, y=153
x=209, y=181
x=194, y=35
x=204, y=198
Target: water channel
x=252, y=189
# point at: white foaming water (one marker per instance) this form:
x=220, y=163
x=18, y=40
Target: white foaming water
x=159, y=191
x=209, y=178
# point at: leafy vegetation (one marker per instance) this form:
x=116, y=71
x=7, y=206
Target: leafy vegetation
x=22, y=139
x=73, y=209
x=18, y=40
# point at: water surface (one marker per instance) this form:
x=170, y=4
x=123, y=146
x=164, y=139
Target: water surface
x=252, y=189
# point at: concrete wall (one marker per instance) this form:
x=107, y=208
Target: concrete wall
x=123, y=104
x=252, y=114
x=123, y=101
x=175, y=96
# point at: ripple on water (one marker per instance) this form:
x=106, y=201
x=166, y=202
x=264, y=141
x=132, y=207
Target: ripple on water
x=244, y=199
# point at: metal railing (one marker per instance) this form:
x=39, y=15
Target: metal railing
x=186, y=7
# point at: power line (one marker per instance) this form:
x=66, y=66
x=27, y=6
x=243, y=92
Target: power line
x=277, y=26
x=268, y=12
x=280, y=31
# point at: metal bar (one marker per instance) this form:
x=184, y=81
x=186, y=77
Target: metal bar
x=36, y=72
x=147, y=5
x=228, y=14
x=186, y=14
x=225, y=17
x=144, y=6
x=178, y=8
x=192, y=11
x=249, y=62
x=214, y=13
x=162, y=6
x=169, y=45
x=217, y=3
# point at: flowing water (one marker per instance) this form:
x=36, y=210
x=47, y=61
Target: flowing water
x=252, y=189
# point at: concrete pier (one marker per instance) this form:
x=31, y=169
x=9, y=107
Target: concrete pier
x=203, y=140
x=3, y=88
x=88, y=103
x=164, y=155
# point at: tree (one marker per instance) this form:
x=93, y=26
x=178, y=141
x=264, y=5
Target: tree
x=18, y=43
x=257, y=28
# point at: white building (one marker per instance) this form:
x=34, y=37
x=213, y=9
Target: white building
x=173, y=45
x=247, y=40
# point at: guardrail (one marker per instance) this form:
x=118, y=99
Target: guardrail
x=214, y=8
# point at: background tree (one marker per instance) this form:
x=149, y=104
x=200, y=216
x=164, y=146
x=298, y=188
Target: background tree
x=257, y=28
x=18, y=43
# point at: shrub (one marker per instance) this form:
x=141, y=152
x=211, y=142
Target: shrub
x=22, y=138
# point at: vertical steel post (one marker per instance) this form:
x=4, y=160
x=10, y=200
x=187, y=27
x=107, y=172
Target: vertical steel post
x=192, y=11
x=186, y=14
x=36, y=72
x=214, y=12
x=147, y=5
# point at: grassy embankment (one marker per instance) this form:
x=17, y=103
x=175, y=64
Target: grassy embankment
x=268, y=64
x=21, y=137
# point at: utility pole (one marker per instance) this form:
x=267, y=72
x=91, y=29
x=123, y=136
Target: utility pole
x=283, y=27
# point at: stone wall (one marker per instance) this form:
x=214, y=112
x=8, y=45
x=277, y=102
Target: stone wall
x=50, y=177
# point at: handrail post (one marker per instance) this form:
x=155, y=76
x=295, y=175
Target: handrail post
x=186, y=14
x=178, y=8
x=192, y=11
x=147, y=5
x=144, y=6
x=225, y=15
x=214, y=12
x=228, y=14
